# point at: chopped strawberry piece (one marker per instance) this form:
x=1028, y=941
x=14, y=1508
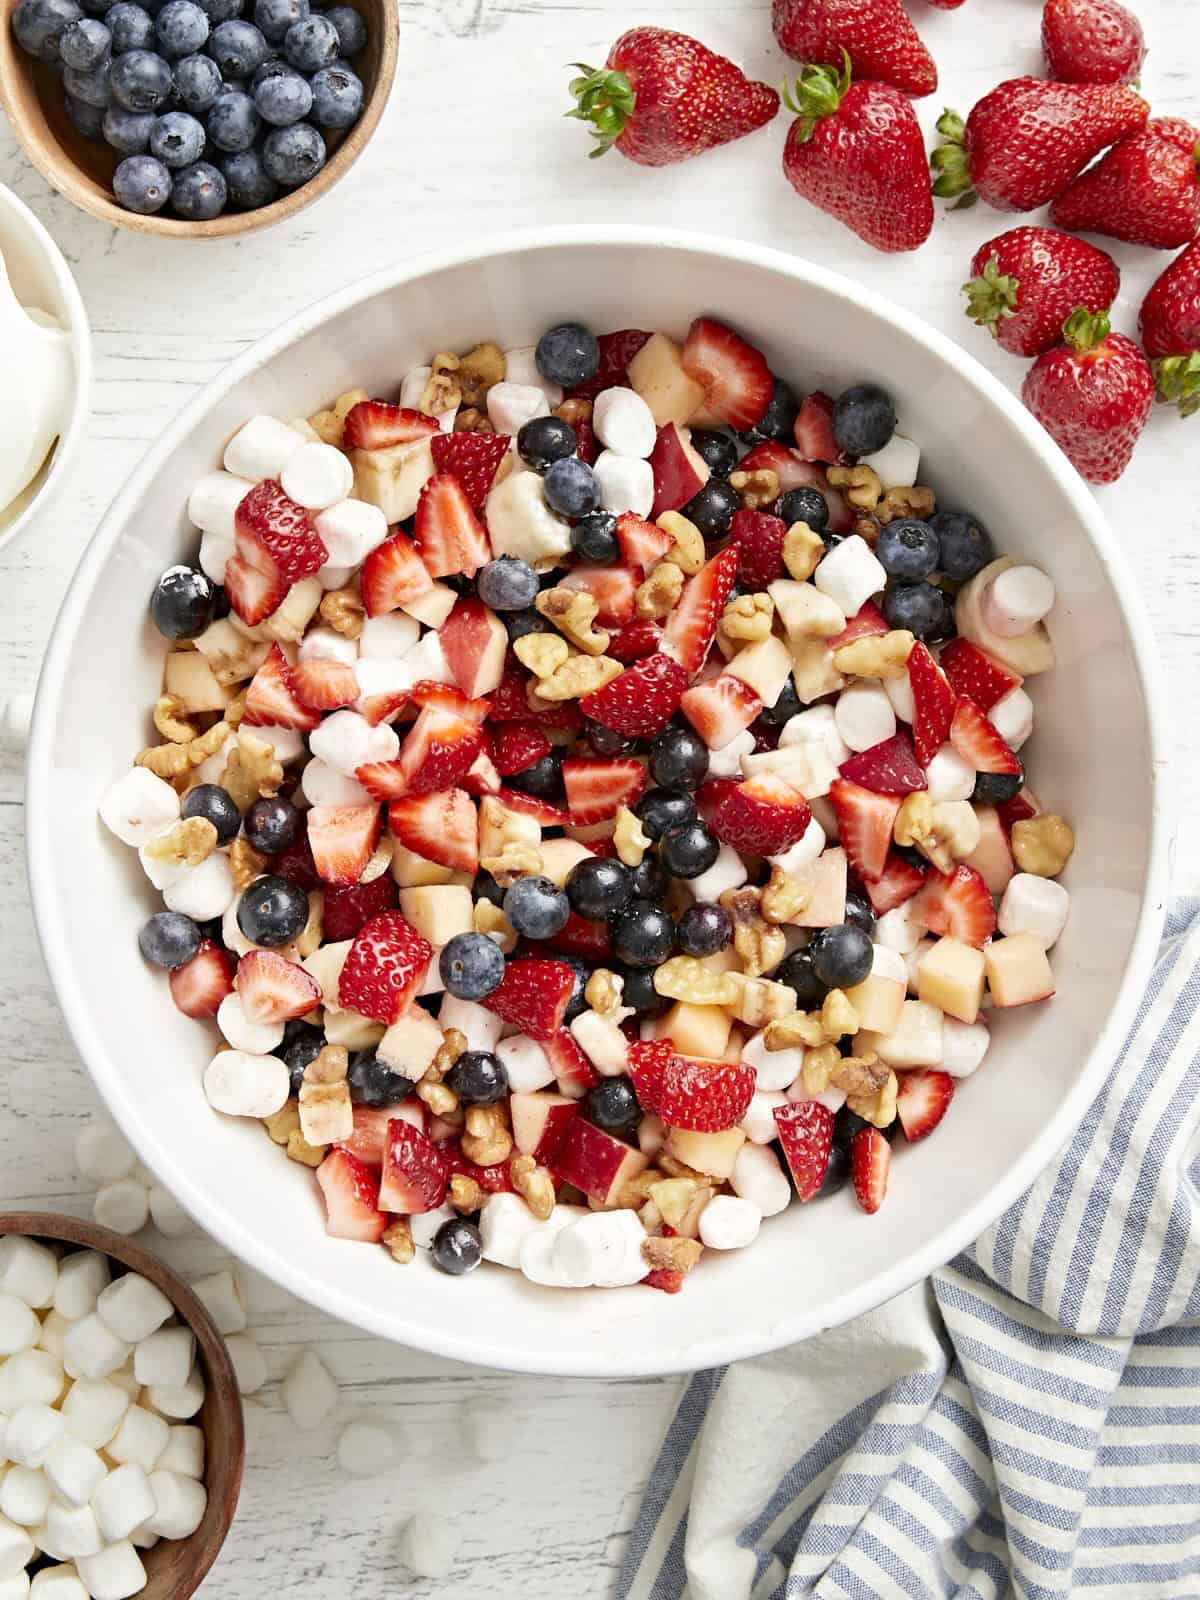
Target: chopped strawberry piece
x=271, y=699
x=1020, y=808
x=473, y=458
x=438, y=752
x=720, y=709
x=814, y=430
x=447, y=533
x=481, y=777
x=377, y=708
x=866, y=623
x=568, y=1060
x=368, y=1142
x=636, y=641
x=734, y=375
x=642, y=700
x=888, y=768
x=959, y=906
x=392, y=575
x=580, y=936
x=375, y=425
x=414, y=1172
x=492, y=1180
x=933, y=703
x=442, y=827
x=533, y=995
x=759, y=538
x=692, y=625
x=806, y=1135
x=342, y=840
x=509, y=703
x=530, y=805
x=325, y=685
x=899, y=881
x=764, y=816
x=923, y=1101
x=517, y=745
x=199, y=985
x=711, y=794
x=349, y=906
x=273, y=989
x=617, y=350
x=794, y=472
x=975, y=675
x=351, y=1193
x=598, y=786
x=297, y=865
x=870, y=1160
x=979, y=743
x=669, y=1279
x=277, y=539
x=384, y=968
x=614, y=589
x=253, y=594
x=648, y=1062
x=704, y=1096
x=643, y=544
x=445, y=697
x=865, y=823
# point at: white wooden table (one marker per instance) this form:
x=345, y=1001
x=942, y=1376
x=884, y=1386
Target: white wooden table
x=474, y=141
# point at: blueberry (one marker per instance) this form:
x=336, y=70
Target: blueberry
x=605, y=741
x=543, y=780
x=247, y=183
x=797, y=972
x=660, y=809
x=650, y=880
x=612, y=1105
x=847, y=1123
x=85, y=119
x=712, y=508
x=907, y=549
x=275, y=17
x=311, y=44
x=131, y=26
x=966, y=545
x=181, y=28
x=642, y=935
x=141, y=80
x=507, y=584
x=457, y=1247
x=218, y=11
x=837, y=1170
x=595, y=539
x=128, y=131
x=233, y=122
x=523, y=622
x=85, y=45
x=485, y=887
x=215, y=805
x=582, y=971
x=995, y=788
x=272, y=911
x=351, y=28
x=841, y=956
x=571, y=488
x=93, y=88
x=471, y=966
x=182, y=602
x=639, y=992
x=568, y=355
x=544, y=440
x=918, y=607
x=177, y=139
x=678, y=758
x=338, y=96
x=197, y=83
x=373, y=1083
x=704, y=929
x=293, y=155
x=272, y=825
x=169, y=939
x=478, y=1077
x=283, y=99
x=785, y=708
x=804, y=505
x=778, y=421
x=860, y=913
x=237, y=47
x=864, y=419
x=272, y=67
x=536, y=907
x=142, y=184
x=302, y=1044
x=598, y=887
x=40, y=24
x=688, y=851
x=717, y=450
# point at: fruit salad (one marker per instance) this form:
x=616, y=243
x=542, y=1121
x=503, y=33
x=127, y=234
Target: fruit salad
x=587, y=799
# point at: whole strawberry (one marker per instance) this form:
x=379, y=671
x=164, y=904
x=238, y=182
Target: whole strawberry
x=856, y=151
x=1092, y=395
x=1092, y=41
x=1024, y=142
x=664, y=97
x=1026, y=282
x=876, y=34
x=1146, y=190
x=1170, y=330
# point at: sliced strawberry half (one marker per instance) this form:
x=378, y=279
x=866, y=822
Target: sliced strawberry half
x=415, y=1175
x=517, y=745
x=342, y=840
x=958, y=905
x=445, y=697
x=392, y=575
x=351, y=1194
x=277, y=545
x=635, y=641
x=438, y=752
x=614, y=589
x=441, y=827
x=642, y=700
x=899, y=882
x=643, y=544
x=568, y=1060
x=806, y=1137
x=350, y=906
x=509, y=703
x=375, y=425
x=979, y=743
x=481, y=777
x=704, y=1096
x=923, y=1101
x=533, y=995
x=473, y=458
x=368, y=1142
x=648, y=1061
x=272, y=700
x=273, y=989
x=933, y=703
x=764, y=816
x=814, y=429
x=866, y=623
x=617, y=350
x=870, y=1161
x=888, y=768
x=447, y=533
x=325, y=685
x=199, y=985
x=384, y=968
x=598, y=786
x=531, y=805
x=759, y=538
x=975, y=675
x=254, y=594
x=865, y=823
x=734, y=375
x=720, y=709
x=692, y=625
x=377, y=708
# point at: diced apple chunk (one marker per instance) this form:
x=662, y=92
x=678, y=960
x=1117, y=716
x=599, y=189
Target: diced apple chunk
x=711, y=1153
x=697, y=1030
x=825, y=880
x=806, y=612
x=878, y=1003
x=412, y=871
x=916, y=1040
x=597, y=1163
x=540, y=1122
x=325, y=965
x=189, y=677
x=807, y=766
x=409, y=1046
x=764, y=666
x=657, y=374
x=352, y=1029
x=992, y=856
x=433, y=606
x=679, y=471
x=1018, y=970
x=950, y=976
x=439, y=911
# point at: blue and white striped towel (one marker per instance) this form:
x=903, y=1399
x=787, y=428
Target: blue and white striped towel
x=1027, y=1422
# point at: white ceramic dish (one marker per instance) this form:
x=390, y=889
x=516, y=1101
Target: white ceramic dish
x=41, y=278
x=817, y=1265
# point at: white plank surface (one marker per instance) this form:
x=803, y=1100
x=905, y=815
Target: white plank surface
x=474, y=141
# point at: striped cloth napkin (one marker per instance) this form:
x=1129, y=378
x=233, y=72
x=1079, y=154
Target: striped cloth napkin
x=1026, y=1422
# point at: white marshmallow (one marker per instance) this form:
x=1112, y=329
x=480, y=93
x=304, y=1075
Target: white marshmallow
x=505, y=1222
x=33, y=1431
x=179, y=1505
x=1012, y=717
x=367, y=1449
x=334, y=577
x=323, y=785
x=19, y=1326
x=346, y=740
x=511, y=405
x=168, y=1216
x=324, y=644
x=309, y=1392
x=140, y=1440
x=84, y=1273
x=249, y=1363
x=727, y=761
x=387, y=637
x=537, y=1260
x=378, y=677
x=69, y=1532
x=122, y=1206
x=123, y=1502
x=899, y=692
x=807, y=848
x=16, y=1549
x=480, y=1027
x=256, y=1038
x=204, y=892
x=29, y=1270
x=56, y=1583
x=773, y=1069
x=624, y=423
x=964, y=1045
x=93, y=1410
x=758, y=1177
x=165, y=1357
x=520, y=366
x=727, y=1223
x=728, y=871
x=318, y=477
x=625, y=484
x=138, y=805
x=850, y=574
x=896, y=464
x=424, y=1227
x=31, y=1377
x=429, y=1544
x=124, y=1379
x=427, y=660
x=184, y=1453
x=54, y=1331
x=24, y=1496
x=350, y=529
x=1016, y=600
x=901, y=928
x=526, y=1064
x=243, y=1085
x=816, y=725
x=602, y=1249
x=1034, y=905
x=103, y=1154
x=864, y=715
x=178, y=1402
x=93, y=1349
x=287, y=743
x=217, y=550
x=601, y=1040
x=948, y=776
x=221, y=1296
x=213, y=503
x=260, y=448
x=115, y=1573
x=232, y=934
x=162, y=874
x=133, y=1308
x=74, y=1470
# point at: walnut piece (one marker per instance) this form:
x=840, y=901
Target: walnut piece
x=542, y=653
x=470, y=419
x=575, y=411
x=761, y=1000
x=284, y=1123
x=330, y=425
x=756, y=489
x=659, y=594
x=167, y=761
x=579, y=676
x=211, y=740
x=247, y=863
x=170, y=719
x=534, y=1184
x=687, y=978
x=442, y=392
x=862, y=1076
x=186, y=844
x=866, y=526
x=687, y=552
x=330, y=1065
x=820, y=1063
x=573, y=613
x=760, y=946
x=299, y=1149
x=604, y=991
x=802, y=550
x=486, y=1140
x=878, y=1108
x=671, y=1255
x=344, y=612
x=879, y=655
x=439, y=1097
x=748, y=618
x=480, y=370
x=251, y=770
x=902, y=502
x=399, y=1241
x=630, y=838
x=452, y=1046
x=813, y=1029
x=509, y=842
x=1042, y=845
x=860, y=484
x=783, y=899
x=464, y=1193
x=490, y=918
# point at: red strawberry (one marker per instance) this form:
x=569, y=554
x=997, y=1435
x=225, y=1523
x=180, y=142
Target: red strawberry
x=568, y=1060
x=533, y=995
x=720, y=709
x=958, y=906
x=517, y=745
x=814, y=429
x=759, y=538
x=351, y=1193
x=735, y=377
x=899, y=882
x=643, y=544
x=877, y=36
x=271, y=699
x=588, y=446
x=325, y=685
x=669, y=1279
x=598, y=786
x=635, y=641
x=368, y=1142
x=1170, y=331
x=481, y=776
x=642, y=700
x=1026, y=140
x=712, y=794
x=806, y=1135
x=392, y=575
x=923, y=1101
x=530, y=805
x=648, y=1062
x=580, y=936
x=614, y=589
x=349, y=906
x=447, y=533
x=342, y=840
x=473, y=458
x=375, y=425
x=1093, y=395
x=1026, y=282
x=870, y=1159
x=978, y=743
x=664, y=97
x=764, y=816
x=617, y=350
x=277, y=545
x=1022, y=806
x=199, y=985
x=442, y=827
x=384, y=968
x=415, y=1175
x=445, y=697
x=254, y=592
x=933, y=703
x=692, y=625
x=857, y=152
x=273, y=989
x=888, y=768
x=1092, y=41
x=975, y=675
x=1146, y=190
x=377, y=708
x=437, y=753
x=865, y=823
x=866, y=623
x=704, y=1096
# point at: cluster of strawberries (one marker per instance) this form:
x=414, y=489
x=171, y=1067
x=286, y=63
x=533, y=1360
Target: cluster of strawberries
x=856, y=150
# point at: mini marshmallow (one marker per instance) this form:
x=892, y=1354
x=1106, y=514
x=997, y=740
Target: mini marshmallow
x=805, y=851
x=424, y=1227
x=19, y=1326
x=179, y=1505
x=520, y=366
x=31, y=1377
x=818, y=724
x=429, y=1544
x=74, y=1470
x=346, y=740
x=124, y=1380
x=260, y=448
x=602, y=1249
x=1012, y=717
x=168, y=1216
x=317, y=477
x=213, y=503
x=133, y=1308
x=124, y=1206
x=53, y=1335
x=727, y=761
x=69, y=1532
x=901, y=928
x=115, y=1573
x=140, y=1440
x=602, y=1041
x=92, y=1349
x=350, y=529
x=255, y=1038
x=138, y=805
x=331, y=577
x=56, y=1583
x=427, y=659
x=93, y=1410
x=625, y=484
x=33, y=1431
x=16, y=1549
x=204, y=892
x=773, y=1069
x=511, y=405
x=217, y=550
x=367, y=1449
x=103, y=1154
x=392, y=635
x=287, y=743
x=1016, y=600
x=537, y=1259
x=1038, y=906
x=864, y=715
x=326, y=644
x=896, y=464
x=480, y=1027
x=624, y=423
x=123, y=1502
x=309, y=1392
x=949, y=777
x=832, y=1099
x=24, y=1496
x=244, y=1085
x=758, y=1178
x=850, y=574
x=233, y=936
x=899, y=692
x=184, y=1453
x=379, y=677
x=249, y=1363
x=505, y=1222
x=728, y=871
x=964, y=1045
x=178, y=1402
x=727, y=1223
x=526, y=1064
x=165, y=1357
x=759, y=1122
x=28, y=1270
x=162, y=874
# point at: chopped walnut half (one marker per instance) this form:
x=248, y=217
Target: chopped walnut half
x=251, y=770
x=575, y=411
x=820, y=1063
x=438, y=1096
x=760, y=946
x=247, y=862
x=534, y=1184
x=509, y=842
x=879, y=655
x=802, y=551
x=490, y=919
x=902, y=502
x=813, y=1029
x=399, y=1241
x=470, y=419
x=784, y=899
x=756, y=489
x=748, y=618
x=170, y=719
x=658, y=596
x=579, y=676
x=330, y=1065
x=604, y=991
x=866, y=526
x=212, y=739
x=542, y=653
x=944, y=831
x=186, y=844
x=344, y=612
x=299, y=1149
x=859, y=483
x=573, y=613
x=443, y=391
x=1042, y=845
x=761, y=1000
x=330, y=425
x=877, y=1107
x=671, y=1255
x=486, y=1140
x=284, y=1123
x=169, y=761
x=687, y=552
x=479, y=370
x=464, y=1193
x=630, y=838
x=686, y=978
x=862, y=1076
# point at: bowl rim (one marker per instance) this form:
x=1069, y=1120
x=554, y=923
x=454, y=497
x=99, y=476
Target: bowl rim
x=74, y=430
x=470, y=1343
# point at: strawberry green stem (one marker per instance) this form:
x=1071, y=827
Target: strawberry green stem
x=1085, y=330
x=606, y=99
x=952, y=176
x=991, y=296
x=817, y=93
x=1179, y=382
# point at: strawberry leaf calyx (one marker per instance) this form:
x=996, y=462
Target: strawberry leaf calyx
x=951, y=172
x=1178, y=379
x=991, y=296
x=606, y=99
x=1086, y=330
x=817, y=93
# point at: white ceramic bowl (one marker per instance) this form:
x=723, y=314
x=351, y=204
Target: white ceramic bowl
x=1096, y=756
x=41, y=278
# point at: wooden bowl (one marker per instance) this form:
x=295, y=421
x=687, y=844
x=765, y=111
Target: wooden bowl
x=174, y=1569
x=32, y=97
